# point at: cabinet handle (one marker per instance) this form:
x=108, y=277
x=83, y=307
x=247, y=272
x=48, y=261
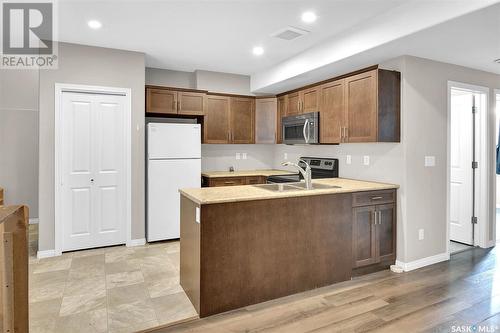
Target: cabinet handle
x=298, y=105
x=178, y=105
x=346, y=134
x=377, y=198
x=374, y=217
x=379, y=217
x=174, y=105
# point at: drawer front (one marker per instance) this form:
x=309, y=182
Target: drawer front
x=227, y=181
x=254, y=180
x=373, y=198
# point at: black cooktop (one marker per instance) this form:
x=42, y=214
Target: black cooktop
x=320, y=168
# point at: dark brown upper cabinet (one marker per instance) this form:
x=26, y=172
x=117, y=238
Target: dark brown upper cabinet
x=172, y=102
x=242, y=112
x=332, y=112
x=161, y=101
x=293, y=104
x=229, y=119
x=191, y=103
x=217, y=120
x=309, y=100
x=373, y=107
x=282, y=112
x=303, y=101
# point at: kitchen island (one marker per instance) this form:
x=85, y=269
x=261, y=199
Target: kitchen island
x=244, y=245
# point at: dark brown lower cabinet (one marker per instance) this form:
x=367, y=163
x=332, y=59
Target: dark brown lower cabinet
x=374, y=234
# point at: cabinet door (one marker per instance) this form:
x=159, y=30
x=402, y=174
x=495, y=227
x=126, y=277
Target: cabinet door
x=265, y=120
x=191, y=103
x=161, y=101
x=361, y=110
x=364, y=236
x=332, y=112
x=293, y=104
x=216, y=122
x=282, y=103
x=242, y=120
x=310, y=100
x=386, y=232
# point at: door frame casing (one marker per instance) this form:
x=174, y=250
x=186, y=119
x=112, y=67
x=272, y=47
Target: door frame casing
x=496, y=92
x=59, y=89
x=482, y=192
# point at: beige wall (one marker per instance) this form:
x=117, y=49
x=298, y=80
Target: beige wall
x=19, y=137
x=170, y=78
x=87, y=65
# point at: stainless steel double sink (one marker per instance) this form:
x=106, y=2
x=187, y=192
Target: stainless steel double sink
x=293, y=187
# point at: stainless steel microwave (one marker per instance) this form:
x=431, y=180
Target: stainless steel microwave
x=301, y=129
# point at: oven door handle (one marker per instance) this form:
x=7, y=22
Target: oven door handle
x=306, y=136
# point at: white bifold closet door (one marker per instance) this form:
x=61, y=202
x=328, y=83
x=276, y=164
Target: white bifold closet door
x=93, y=170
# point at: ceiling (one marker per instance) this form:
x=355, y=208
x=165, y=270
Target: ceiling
x=211, y=35
x=219, y=35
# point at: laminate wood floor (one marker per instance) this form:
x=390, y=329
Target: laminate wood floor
x=461, y=295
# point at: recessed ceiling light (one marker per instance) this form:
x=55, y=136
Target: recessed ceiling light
x=309, y=17
x=94, y=24
x=258, y=50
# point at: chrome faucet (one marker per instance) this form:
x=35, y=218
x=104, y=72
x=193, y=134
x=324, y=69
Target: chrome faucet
x=306, y=173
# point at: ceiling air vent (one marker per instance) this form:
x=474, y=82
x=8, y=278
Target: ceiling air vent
x=289, y=33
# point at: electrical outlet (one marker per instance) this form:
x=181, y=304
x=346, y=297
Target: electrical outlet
x=238, y=156
x=244, y=156
x=348, y=159
x=421, y=234
x=285, y=156
x=430, y=161
x=366, y=160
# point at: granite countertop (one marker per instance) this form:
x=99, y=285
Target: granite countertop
x=211, y=195
x=245, y=173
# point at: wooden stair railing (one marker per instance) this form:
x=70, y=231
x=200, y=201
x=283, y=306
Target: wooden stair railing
x=14, y=269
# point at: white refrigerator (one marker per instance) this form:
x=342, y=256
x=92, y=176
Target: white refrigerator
x=173, y=162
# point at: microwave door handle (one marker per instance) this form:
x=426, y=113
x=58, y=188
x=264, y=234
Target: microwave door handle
x=306, y=137
x=309, y=131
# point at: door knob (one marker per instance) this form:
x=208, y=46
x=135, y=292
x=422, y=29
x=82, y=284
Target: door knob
x=91, y=180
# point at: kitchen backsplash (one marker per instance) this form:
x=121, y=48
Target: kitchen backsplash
x=221, y=157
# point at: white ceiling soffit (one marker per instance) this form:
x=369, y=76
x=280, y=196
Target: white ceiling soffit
x=348, y=50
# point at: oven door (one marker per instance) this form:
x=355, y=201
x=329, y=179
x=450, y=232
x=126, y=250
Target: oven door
x=302, y=129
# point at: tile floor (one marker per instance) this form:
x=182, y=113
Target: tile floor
x=116, y=289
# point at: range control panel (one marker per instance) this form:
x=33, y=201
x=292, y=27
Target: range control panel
x=320, y=163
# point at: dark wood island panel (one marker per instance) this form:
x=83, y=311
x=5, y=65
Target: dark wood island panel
x=249, y=252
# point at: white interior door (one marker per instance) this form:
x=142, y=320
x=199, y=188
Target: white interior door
x=93, y=200
x=461, y=189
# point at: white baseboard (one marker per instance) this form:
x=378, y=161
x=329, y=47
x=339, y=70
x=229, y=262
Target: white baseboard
x=136, y=242
x=409, y=266
x=33, y=220
x=47, y=254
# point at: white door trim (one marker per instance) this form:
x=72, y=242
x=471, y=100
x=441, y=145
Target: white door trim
x=482, y=184
x=59, y=89
x=494, y=166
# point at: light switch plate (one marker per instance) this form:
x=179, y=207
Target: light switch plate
x=366, y=160
x=421, y=234
x=238, y=156
x=430, y=161
x=244, y=156
x=348, y=159
x=197, y=218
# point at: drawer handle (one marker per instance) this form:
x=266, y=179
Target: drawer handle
x=377, y=198
x=228, y=183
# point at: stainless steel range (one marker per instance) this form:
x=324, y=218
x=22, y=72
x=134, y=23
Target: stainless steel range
x=320, y=168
